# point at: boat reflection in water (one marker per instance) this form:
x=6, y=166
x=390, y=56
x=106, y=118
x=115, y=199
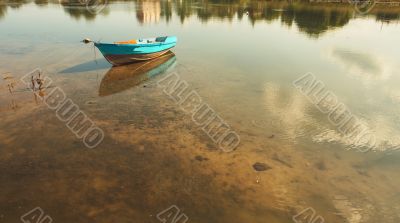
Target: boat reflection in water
x=121, y=78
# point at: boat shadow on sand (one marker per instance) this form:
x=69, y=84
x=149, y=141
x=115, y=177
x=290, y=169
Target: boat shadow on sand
x=93, y=65
x=121, y=78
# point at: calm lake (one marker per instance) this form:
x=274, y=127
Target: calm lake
x=249, y=62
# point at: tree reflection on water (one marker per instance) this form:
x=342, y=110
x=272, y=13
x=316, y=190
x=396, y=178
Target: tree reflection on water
x=311, y=18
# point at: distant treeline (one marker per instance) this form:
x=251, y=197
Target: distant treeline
x=312, y=17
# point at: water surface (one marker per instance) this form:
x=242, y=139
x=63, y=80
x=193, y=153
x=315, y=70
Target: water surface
x=241, y=57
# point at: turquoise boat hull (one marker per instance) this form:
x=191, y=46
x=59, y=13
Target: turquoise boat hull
x=136, y=50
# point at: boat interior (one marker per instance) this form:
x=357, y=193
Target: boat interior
x=144, y=41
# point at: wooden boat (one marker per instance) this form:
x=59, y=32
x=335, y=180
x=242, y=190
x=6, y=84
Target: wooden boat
x=130, y=51
x=121, y=78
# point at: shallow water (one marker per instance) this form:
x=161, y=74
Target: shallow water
x=242, y=59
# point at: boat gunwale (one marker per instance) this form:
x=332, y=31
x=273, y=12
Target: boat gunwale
x=137, y=44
